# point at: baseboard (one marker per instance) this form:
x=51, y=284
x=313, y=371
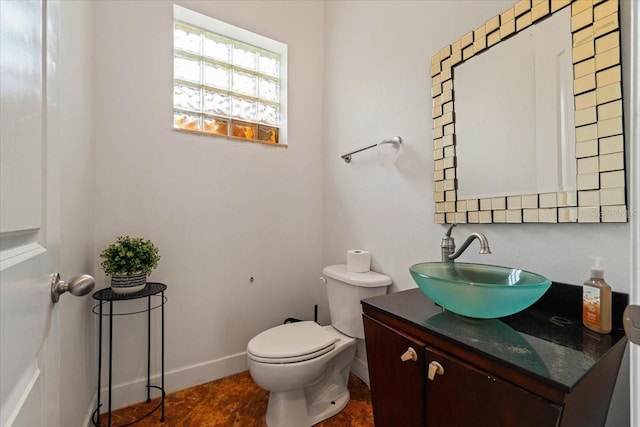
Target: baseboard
x=360, y=369
x=128, y=393
x=87, y=422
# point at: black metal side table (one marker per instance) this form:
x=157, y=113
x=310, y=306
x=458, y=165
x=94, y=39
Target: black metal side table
x=151, y=291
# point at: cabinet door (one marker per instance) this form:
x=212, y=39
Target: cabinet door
x=397, y=387
x=465, y=396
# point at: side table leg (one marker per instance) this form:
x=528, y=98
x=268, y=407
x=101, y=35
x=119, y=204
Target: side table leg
x=99, y=363
x=162, y=352
x=149, y=349
x=110, y=358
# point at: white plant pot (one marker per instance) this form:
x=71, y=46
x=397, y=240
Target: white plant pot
x=122, y=284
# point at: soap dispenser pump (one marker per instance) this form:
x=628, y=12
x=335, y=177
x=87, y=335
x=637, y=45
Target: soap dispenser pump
x=596, y=301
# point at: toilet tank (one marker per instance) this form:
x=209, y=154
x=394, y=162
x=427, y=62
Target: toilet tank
x=345, y=289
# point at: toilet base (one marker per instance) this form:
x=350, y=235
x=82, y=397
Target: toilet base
x=304, y=407
x=290, y=408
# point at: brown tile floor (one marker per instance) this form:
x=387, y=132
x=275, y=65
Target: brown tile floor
x=235, y=401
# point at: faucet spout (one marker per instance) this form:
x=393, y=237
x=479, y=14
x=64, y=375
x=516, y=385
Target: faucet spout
x=448, y=246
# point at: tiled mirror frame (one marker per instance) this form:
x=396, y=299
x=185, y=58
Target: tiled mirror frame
x=601, y=192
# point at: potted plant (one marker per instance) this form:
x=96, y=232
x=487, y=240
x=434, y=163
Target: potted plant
x=129, y=260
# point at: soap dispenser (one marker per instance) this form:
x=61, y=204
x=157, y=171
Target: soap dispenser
x=596, y=301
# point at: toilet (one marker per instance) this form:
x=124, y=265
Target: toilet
x=305, y=366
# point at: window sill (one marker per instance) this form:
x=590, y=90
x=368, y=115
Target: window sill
x=233, y=138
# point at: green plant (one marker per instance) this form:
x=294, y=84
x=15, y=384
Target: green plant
x=130, y=255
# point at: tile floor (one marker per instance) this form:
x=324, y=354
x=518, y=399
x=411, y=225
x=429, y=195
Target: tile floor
x=235, y=401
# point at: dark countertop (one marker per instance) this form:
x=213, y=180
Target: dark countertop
x=547, y=341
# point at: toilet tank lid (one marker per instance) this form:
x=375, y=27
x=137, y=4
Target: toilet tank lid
x=370, y=279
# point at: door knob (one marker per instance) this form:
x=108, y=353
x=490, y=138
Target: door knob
x=410, y=354
x=435, y=369
x=78, y=286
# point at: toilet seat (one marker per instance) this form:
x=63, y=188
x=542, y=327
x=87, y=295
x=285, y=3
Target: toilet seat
x=300, y=358
x=289, y=343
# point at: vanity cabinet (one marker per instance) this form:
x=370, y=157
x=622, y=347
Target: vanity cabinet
x=403, y=394
x=533, y=380
x=399, y=385
x=464, y=395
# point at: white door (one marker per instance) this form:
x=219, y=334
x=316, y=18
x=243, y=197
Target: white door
x=29, y=214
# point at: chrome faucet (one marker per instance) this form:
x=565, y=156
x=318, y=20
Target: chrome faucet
x=448, y=245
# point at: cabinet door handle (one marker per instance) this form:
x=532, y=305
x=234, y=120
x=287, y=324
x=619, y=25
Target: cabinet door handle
x=435, y=369
x=410, y=354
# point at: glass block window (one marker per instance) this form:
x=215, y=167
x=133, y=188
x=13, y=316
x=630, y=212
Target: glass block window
x=225, y=85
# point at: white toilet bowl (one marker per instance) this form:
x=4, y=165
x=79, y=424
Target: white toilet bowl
x=307, y=381
x=305, y=366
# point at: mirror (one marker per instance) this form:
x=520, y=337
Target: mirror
x=564, y=151
x=533, y=120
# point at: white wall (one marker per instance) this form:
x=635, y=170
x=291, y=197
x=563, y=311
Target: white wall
x=77, y=324
x=377, y=60
x=220, y=211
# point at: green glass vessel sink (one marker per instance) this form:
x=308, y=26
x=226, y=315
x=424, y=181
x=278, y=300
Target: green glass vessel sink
x=479, y=290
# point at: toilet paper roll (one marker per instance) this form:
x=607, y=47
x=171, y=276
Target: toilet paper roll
x=358, y=261
x=388, y=152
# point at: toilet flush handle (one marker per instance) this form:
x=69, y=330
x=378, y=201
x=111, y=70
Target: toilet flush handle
x=323, y=280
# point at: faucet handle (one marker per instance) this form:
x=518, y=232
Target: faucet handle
x=450, y=229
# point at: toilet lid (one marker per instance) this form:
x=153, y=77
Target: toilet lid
x=291, y=340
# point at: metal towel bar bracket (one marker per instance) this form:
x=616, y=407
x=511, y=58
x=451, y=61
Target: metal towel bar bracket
x=394, y=140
